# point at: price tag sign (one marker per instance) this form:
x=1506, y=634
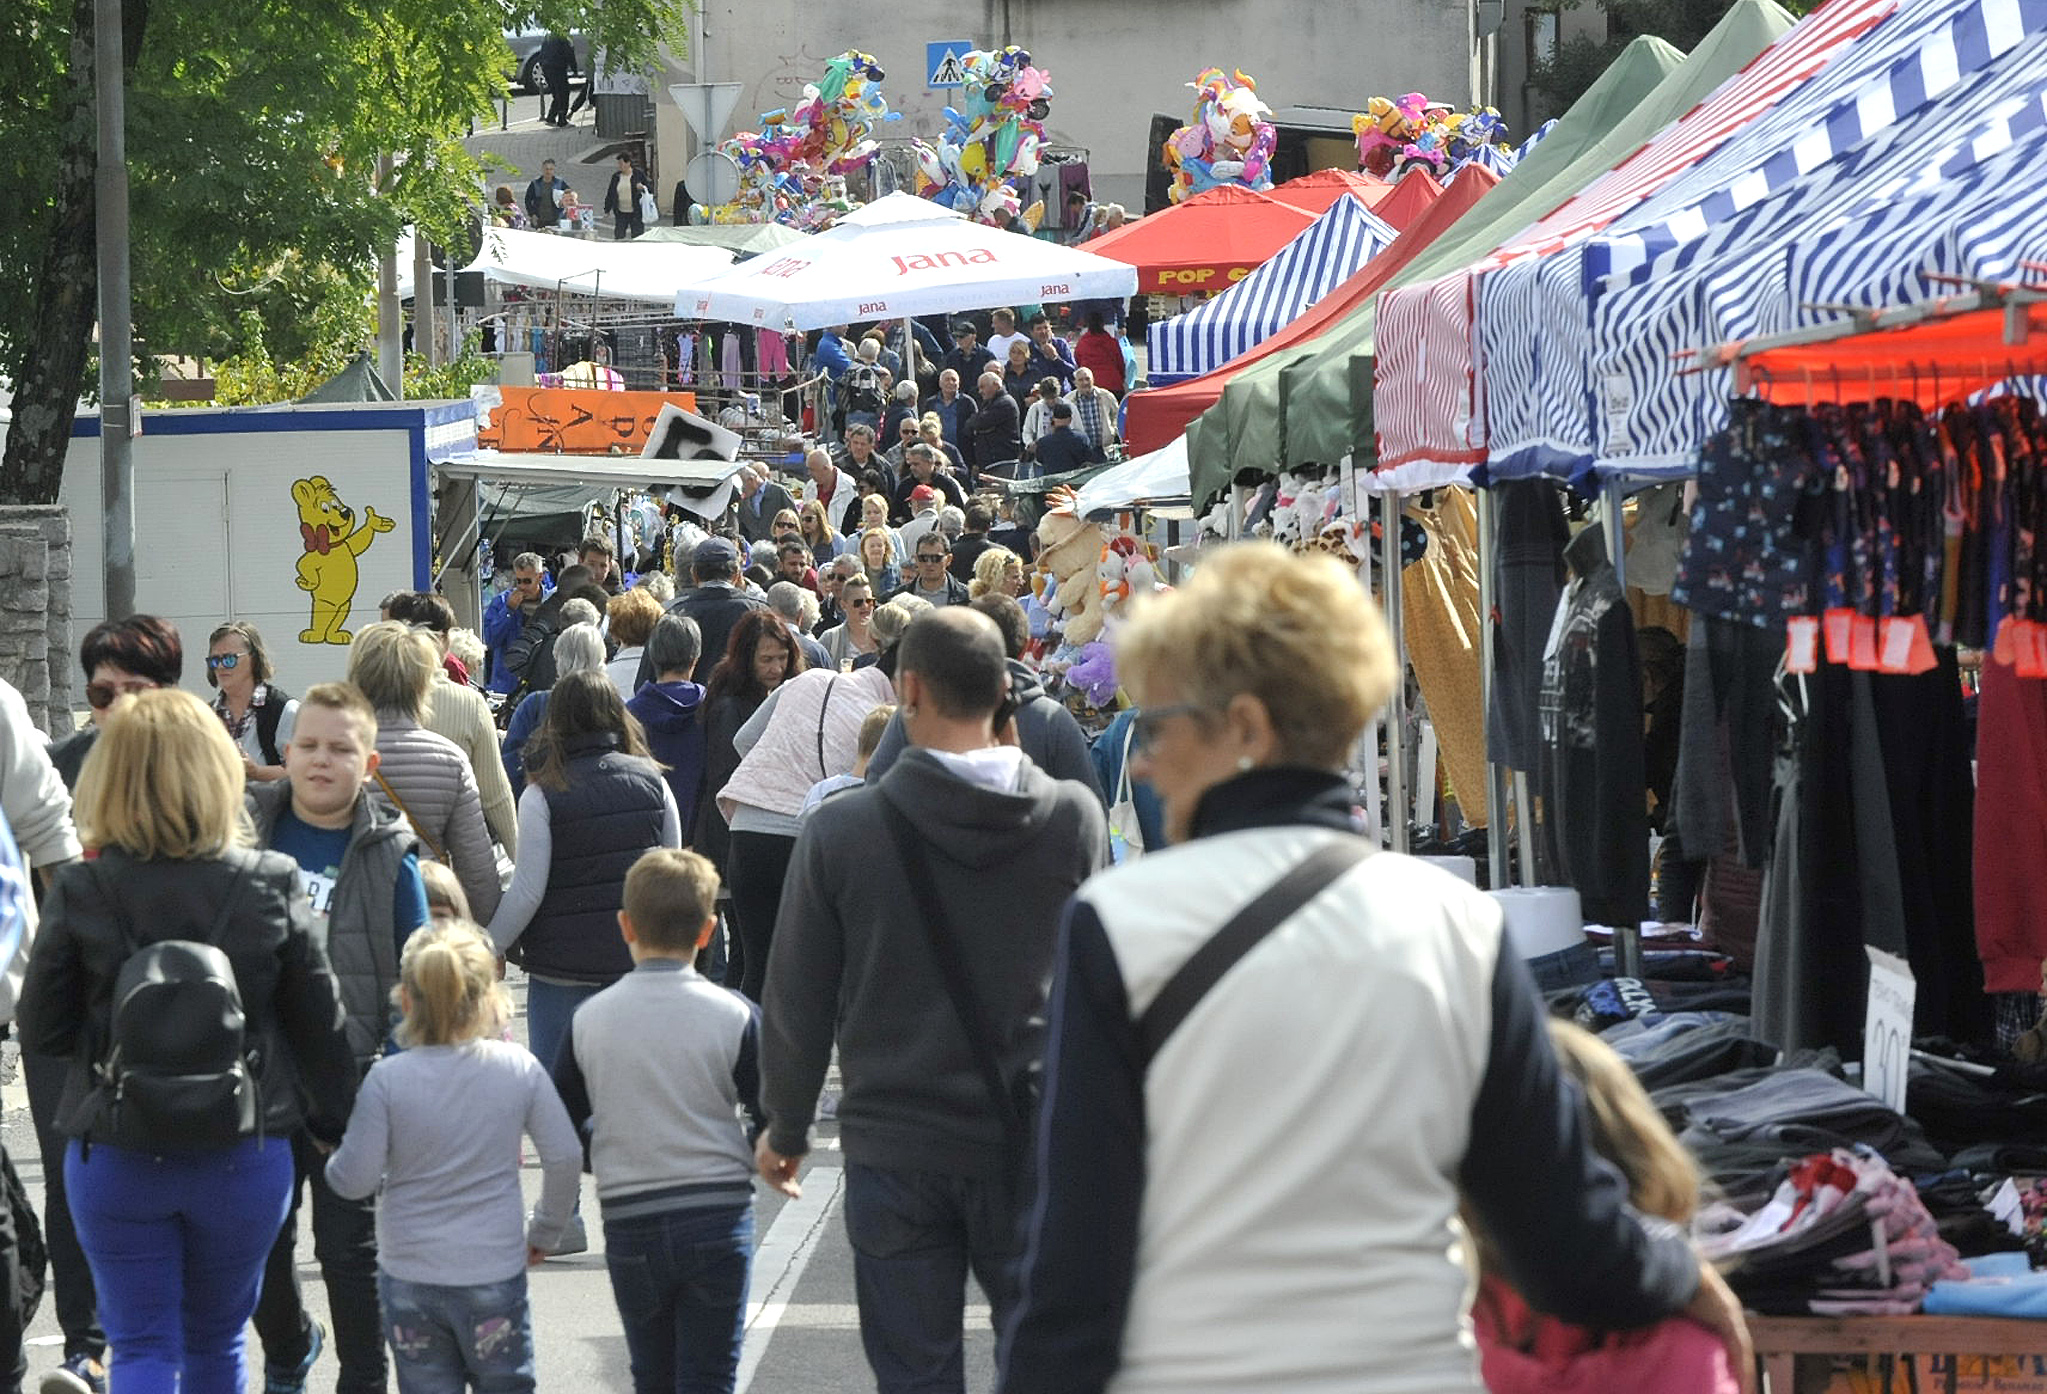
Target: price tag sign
x=1887, y=1028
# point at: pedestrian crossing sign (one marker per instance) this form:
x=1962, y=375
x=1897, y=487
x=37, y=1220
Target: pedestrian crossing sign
x=944, y=63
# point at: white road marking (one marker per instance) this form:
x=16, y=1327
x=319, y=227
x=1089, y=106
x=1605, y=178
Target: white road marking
x=780, y=1259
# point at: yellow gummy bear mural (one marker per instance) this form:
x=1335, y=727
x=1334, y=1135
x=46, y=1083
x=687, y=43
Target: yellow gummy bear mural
x=328, y=568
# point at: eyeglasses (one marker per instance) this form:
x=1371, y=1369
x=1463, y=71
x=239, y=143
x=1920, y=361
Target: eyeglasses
x=104, y=694
x=930, y=556
x=1144, y=727
x=223, y=660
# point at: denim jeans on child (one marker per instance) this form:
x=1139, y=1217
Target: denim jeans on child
x=445, y=1340
x=549, y=1009
x=176, y=1243
x=915, y=1235
x=679, y=1278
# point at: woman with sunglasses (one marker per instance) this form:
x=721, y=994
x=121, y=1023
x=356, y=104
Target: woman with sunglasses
x=258, y=715
x=119, y=657
x=848, y=641
x=1369, y=1054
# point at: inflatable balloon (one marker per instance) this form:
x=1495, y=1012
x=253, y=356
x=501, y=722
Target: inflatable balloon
x=991, y=138
x=1411, y=132
x=1229, y=141
x=792, y=170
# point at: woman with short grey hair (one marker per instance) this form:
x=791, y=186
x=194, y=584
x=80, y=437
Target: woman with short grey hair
x=577, y=649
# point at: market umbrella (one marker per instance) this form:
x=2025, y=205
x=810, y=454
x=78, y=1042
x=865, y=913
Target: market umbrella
x=897, y=257
x=1211, y=241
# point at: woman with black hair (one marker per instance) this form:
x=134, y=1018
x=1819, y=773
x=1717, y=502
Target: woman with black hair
x=118, y=657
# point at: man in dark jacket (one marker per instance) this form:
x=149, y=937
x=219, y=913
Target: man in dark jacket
x=543, y=208
x=529, y=655
x=924, y=468
x=557, y=61
x=715, y=602
x=932, y=1155
x=995, y=432
x=952, y=407
x=969, y=358
x=1045, y=730
x=1062, y=448
x=759, y=498
x=622, y=199
x=929, y=580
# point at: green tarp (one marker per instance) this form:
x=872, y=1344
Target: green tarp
x=1314, y=404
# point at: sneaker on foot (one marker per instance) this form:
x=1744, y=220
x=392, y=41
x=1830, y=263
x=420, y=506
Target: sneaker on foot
x=279, y=1380
x=79, y=1374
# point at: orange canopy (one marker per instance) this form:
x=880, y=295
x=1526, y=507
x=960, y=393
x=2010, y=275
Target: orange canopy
x=1397, y=203
x=1210, y=242
x=1157, y=416
x=1933, y=362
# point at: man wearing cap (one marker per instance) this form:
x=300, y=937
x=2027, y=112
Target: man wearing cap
x=951, y=406
x=715, y=602
x=1062, y=448
x=923, y=517
x=968, y=360
x=924, y=473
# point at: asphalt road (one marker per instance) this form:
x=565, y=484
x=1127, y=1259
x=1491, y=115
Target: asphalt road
x=803, y=1333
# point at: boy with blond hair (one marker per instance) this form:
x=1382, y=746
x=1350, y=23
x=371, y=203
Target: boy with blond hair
x=654, y=1071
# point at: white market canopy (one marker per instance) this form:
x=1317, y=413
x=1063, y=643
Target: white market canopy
x=900, y=256
x=622, y=471
x=1160, y=477
x=632, y=270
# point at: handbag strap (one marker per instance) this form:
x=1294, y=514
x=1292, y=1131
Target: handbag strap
x=417, y=831
x=1122, y=795
x=1185, y=989
x=824, y=704
x=959, y=987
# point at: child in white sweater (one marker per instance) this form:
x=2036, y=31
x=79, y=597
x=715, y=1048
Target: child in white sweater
x=438, y=1126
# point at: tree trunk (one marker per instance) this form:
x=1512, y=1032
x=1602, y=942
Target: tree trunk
x=52, y=370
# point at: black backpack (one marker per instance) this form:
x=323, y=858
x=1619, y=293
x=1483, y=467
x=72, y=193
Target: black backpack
x=177, y=1068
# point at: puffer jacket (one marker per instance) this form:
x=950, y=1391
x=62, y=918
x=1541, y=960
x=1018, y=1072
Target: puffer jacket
x=437, y=790
x=100, y=912
x=813, y=733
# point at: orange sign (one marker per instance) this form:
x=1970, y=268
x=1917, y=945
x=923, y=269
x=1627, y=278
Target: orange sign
x=578, y=420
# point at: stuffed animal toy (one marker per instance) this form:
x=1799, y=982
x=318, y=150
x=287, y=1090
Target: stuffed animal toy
x=1093, y=675
x=1070, y=548
x=1229, y=141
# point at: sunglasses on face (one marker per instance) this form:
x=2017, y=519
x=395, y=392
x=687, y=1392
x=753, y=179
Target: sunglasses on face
x=864, y=603
x=930, y=556
x=223, y=660
x=104, y=694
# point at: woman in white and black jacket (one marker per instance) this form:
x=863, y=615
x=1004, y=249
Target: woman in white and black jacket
x=1266, y=1198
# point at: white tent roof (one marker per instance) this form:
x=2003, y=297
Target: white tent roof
x=626, y=471
x=900, y=255
x=632, y=270
x=1157, y=477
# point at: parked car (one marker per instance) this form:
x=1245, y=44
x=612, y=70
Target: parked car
x=526, y=75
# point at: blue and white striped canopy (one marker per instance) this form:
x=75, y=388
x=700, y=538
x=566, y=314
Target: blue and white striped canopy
x=1905, y=158
x=1499, y=160
x=1325, y=254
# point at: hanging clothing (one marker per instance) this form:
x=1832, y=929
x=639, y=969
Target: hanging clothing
x=1590, y=770
x=1442, y=628
x=1528, y=578
x=2011, y=829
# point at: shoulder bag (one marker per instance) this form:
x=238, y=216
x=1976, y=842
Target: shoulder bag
x=1126, y=834
x=434, y=848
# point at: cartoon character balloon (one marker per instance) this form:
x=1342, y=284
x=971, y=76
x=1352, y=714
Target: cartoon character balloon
x=1411, y=132
x=1229, y=141
x=991, y=138
x=792, y=170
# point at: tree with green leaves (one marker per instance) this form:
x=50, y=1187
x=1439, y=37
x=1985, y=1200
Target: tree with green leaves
x=256, y=130
x=1577, y=63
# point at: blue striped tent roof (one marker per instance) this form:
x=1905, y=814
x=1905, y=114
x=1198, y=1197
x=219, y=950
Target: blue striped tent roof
x=1321, y=257
x=1498, y=159
x=1536, y=137
x=1578, y=347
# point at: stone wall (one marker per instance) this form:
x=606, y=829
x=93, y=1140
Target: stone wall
x=35, y=613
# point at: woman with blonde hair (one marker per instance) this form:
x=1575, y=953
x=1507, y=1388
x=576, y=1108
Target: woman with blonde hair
x=633, y=615
x=426, y=777
x=177, y=1206
x=1370, y=1053
x=998, y=571
x=814, y=525
x=931, y=431
x=436, y=1137
x=845, y=643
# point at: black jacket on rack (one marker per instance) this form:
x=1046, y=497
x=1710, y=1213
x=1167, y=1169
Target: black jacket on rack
x=1590, y=769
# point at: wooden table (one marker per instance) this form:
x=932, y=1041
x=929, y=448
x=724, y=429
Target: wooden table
x=1780, y=1341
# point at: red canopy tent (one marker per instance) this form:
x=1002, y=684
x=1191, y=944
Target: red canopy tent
x=1159, y=415
x=1210, y=242
x=1932, y=362
x=1395, y=202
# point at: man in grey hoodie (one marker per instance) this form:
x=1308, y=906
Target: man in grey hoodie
x=933, y=1155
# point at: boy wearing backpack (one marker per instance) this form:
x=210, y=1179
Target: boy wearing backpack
x=361, y=871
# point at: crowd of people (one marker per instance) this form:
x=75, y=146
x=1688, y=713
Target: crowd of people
x=809, y=796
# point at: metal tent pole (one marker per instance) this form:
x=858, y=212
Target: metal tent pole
x=1496, y=775
x=1627, y=938
x=1396, y=709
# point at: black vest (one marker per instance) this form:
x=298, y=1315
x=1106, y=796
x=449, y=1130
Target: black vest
x=599, y=826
